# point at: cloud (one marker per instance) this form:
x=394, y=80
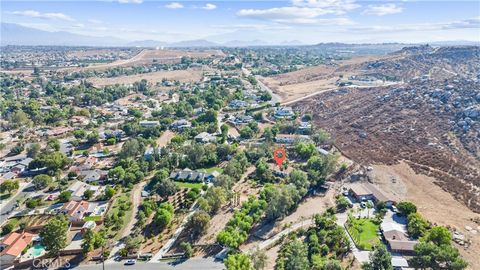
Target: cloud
x=293, y=15
x=95, y=21
x=209, y=6
x=472, y=23
x=47, y=16
x=382, y=10
x=174, y=5
x=252, y=26
x=130, y=1
x=304, y=12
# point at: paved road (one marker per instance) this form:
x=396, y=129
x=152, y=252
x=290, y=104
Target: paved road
x=7, y=206
x=191, y=264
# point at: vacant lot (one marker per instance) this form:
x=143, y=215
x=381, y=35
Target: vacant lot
x=147, y=57
x=189, y=75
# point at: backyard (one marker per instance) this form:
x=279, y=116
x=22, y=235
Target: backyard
x=363, y=232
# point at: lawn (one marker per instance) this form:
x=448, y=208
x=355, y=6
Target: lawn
x=189, y=185
x=211, y=170
x=92, y=218
x=363, y=232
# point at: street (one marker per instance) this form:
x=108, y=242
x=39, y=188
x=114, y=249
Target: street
x=194, y=263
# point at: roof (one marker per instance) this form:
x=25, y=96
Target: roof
x=189, y=175
x=16, y=243
x=405, y=245
x=399, y=262
x=75, y=209
x=365, y=189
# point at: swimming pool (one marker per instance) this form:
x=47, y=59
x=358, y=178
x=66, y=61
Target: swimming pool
x=37, y=250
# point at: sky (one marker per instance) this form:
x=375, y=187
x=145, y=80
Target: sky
x=307, y=21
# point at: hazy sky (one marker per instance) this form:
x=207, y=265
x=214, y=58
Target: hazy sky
x=309, y=21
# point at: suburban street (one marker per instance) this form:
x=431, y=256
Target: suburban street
x=7, y=206
x=194, y=263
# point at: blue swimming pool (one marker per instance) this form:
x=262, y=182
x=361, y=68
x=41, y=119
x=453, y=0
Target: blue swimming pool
x=37, y=250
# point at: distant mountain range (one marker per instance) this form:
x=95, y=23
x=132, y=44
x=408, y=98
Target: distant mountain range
x=15, y=34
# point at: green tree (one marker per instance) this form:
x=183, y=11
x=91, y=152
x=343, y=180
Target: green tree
x=238, y=261
x=198, y=223
x=439, y=235
x=9, y=186
x=87, y=241
x=294, y=256
x=64, y=196
x=33, y=150
x=187, y=249
x=406, y=208
x=342, y=203
x=380, y=259
x=109, y=192
x=87, y=194
x=416, y=225
x=54, y=234
x=41, y=181
x=259, y=259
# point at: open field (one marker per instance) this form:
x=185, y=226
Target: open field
x=435, y=204
x=189, y=75
x=149, y=56
x=297, y=84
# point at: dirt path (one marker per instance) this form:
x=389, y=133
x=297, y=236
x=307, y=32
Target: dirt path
x=435, y=204
x=136, y=198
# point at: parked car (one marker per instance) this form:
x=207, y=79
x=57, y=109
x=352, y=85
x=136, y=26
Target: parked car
x=130, y=262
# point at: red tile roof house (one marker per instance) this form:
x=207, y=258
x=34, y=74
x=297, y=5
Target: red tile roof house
x=12, y=246
x=75, y=210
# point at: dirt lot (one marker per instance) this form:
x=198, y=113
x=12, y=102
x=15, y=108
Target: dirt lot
x=435, y=204
x=165, y=138
x=189, y=75
x=152, y=56
x=297, y=84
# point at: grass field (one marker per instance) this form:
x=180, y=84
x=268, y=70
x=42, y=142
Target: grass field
x=364, y=233
x=211, y=170
x=188, y=184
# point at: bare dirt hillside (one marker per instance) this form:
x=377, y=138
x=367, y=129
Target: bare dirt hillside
x=430, y=122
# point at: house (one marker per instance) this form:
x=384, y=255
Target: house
x=12, y=245
x=78, y=188
x=58, y=131
x=284, y=113
x=79, y=120
x=146, y=123
x=367, y=191
x=291, y=138
x=205, y=137
x=304, y=128
x=92, y=176
x=9, y=175
x=188, y=175
x=237, y=104
x=397, y=239
x=180, y=125
x=240, y=119
x=75, y=210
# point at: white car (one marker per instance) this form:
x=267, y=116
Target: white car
x=130, y=262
